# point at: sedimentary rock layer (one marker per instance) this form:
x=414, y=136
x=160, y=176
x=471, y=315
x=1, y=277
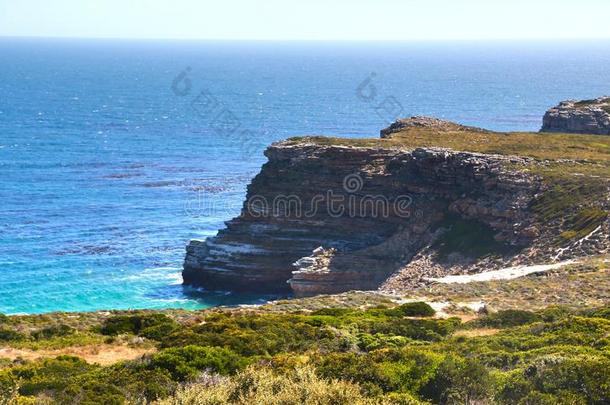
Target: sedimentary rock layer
x=369, y=209
x=582, y=117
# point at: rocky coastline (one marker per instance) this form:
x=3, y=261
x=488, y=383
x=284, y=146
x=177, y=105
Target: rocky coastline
x=326, y=217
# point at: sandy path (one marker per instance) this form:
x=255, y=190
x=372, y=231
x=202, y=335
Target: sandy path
x=502, y=274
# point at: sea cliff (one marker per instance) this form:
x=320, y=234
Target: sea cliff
x=430, y=198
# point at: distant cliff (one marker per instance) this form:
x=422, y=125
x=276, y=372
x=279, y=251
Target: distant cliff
x=327, y=215
x=581, y=117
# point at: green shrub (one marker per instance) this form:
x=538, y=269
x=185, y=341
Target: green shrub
x=135, y=380
x=555, y=313
x=49, y=374
x=184, y=363
x=509, y=318
x=258, y=334
x=458, y=381
x=565, y=380
x=420, y=329
x=333, y=311
x=538, y=398
x=368, y=342
x=262, y=386
x=601, y=313
x=52, y=331
x=135, y=324
x=404, y=370
x=412, y=309
x=471, y=238
x=92, y=393
x=8, y=335
x=359, y=368
x=402, y=398
x=160, y=331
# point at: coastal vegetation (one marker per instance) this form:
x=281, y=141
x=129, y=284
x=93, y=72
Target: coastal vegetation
x=367, y=353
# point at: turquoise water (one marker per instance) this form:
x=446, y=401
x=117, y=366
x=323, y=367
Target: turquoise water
x=111, y=160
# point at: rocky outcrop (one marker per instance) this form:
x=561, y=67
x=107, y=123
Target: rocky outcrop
x=581, y=117
x=331, y=218
x=425, y=122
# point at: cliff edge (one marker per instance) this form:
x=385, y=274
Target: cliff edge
x=328, y=215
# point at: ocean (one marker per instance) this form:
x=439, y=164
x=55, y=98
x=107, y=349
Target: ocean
x=114, y=154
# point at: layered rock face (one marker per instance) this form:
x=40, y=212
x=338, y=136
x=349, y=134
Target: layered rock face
x=329, y=218
x=582, y=117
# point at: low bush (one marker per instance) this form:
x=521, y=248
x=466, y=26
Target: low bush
x=559, y=378
x=458, y=381
x=92, y=393
x=262, y=386
x=184, y=363
x=601, y=313
x=509, y=318
x=52, y=331
x=47, y=374
x=8, y=335
x=412, y=309
x=382, y=371
x=152, y=324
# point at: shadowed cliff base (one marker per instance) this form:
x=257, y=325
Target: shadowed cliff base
x=429, y=199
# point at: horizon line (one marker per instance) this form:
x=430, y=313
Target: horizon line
x=533, y=39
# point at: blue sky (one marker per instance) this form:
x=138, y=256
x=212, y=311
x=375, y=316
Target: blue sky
x=307, y=19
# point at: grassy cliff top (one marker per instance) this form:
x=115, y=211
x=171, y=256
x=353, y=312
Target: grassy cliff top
x=551, y=146
x=574, y=167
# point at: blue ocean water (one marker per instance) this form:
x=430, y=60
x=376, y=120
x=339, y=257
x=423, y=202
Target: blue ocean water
x=113, y=154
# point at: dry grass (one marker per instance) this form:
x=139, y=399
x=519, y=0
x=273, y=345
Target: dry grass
x=104, y=355
x=470, y=333
x=551, y=146
x=351, y=299
x=574, y=286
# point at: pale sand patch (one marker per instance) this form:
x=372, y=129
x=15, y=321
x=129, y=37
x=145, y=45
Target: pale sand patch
x=476, y=332
x=502, y=274
x=101, y=354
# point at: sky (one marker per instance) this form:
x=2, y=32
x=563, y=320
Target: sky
x=307, y=19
